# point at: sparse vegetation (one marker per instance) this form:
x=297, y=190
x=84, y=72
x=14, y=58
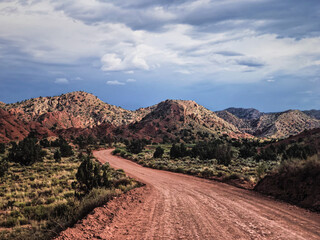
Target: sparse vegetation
x=159, y=152
x=246, y=161
x=295, y=180
x=2, y=148
x=135, y=146
x=40, y=199
x=244, y=170
x=26, y=152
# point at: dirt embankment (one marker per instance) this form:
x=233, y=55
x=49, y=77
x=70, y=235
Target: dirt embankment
x=296, y=182
x=177, y=206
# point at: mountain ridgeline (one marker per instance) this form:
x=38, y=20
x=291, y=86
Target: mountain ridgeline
x=271, y=125
x=80, y=113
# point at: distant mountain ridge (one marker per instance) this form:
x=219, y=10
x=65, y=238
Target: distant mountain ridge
x=245, y=113
x=81, y=113
x=313, y=113
x=272, y=125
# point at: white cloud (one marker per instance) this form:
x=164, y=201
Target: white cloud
x=131, y=80
x=115, y=82
x=63, y=32
x=61, y=81
x=131, y=58
x=183, y=71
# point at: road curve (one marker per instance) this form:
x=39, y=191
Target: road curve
x=185, y=207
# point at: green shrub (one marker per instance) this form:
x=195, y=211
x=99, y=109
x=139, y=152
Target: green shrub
x=159, y=152
x=37, y=212
x=57, y=156
x=26, y=152
x=2, y=148
x=135, y=146
x=10, y=222
x=116, y=151
x=3, y=167
x=207, y=173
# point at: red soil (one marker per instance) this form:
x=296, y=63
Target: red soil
x=177, y=206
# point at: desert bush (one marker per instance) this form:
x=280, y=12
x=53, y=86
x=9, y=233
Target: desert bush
x=26, y=152
x=116, y=151
x=299, y=151
x=207, y=173
x=57, y=156
x=135, y=146
x=261, y=170
x=159, y=152
x=178, y=151
x=3, y=167
x=44, y=142
x=91, y=175
x=2, y=148
x=65, y=148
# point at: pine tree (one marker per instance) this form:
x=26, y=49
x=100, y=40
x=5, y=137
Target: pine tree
x=57, y=156
x=158, y=153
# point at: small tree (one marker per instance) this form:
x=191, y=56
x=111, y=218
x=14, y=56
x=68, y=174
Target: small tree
x=2, y=148
x=174, y=151
x=158, y=153
x=3, y=167
x=57, y=156
x=44, y=142
x=177, y=151
x=135, y=146
x=66, y=150
x=224, y=154
x=85, y=174
x=26, y=152
x=91, y=175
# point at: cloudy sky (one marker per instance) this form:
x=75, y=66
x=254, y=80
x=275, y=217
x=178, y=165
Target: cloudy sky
x=244, y=53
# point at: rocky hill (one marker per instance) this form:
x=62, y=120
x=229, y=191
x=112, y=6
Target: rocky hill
x=183, y=119
x=272, y=125
x=244, y=125
x=245, y=113
x=313, y=113
x=75, y=109
x=81, y=113
x=284, y=124
x=12, y=128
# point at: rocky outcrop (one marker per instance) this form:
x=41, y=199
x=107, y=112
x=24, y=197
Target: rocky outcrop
x=271, y=125
x=12, y=129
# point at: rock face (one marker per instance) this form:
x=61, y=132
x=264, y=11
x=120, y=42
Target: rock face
x=272, y=125
x=243, y=125
x=12, y=128
x=2, y=104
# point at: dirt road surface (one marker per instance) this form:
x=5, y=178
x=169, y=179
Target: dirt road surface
x=177, y=206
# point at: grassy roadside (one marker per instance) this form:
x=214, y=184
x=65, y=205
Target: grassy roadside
x=39, y=201
x=241, y=172
x=295, y=180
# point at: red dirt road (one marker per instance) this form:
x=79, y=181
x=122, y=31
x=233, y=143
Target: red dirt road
x=177, y=206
